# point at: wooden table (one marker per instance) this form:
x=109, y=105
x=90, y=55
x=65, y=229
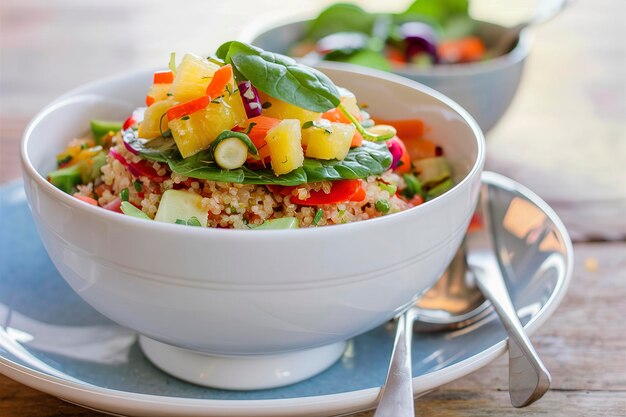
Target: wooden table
x=564, y=137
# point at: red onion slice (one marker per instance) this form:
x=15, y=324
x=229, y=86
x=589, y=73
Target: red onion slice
x=250, y=97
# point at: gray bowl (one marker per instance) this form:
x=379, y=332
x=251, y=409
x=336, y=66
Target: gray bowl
x=485, y=89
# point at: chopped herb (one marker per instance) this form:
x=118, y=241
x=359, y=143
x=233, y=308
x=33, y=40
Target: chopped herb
x=180, y=221
x=266, y=105
x=124, y=194
x=138, y=186
x=169, y=94
x=172, y=63
x=83, y=146
x=320, y=124
x=413, y=186
x=341, y=213
x=383, y=206
x=217, y=99
x=390, y=188
x=193, y=221
x=161, y=123
x=64, y=160
x=250, y=126
x=185, y=117
x=318, y=217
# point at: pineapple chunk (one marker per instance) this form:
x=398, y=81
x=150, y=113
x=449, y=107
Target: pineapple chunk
x=331, y=141
x=195, y=133
x=279, y=109
x=159, y=91
x=192, y=78
x=154, y=122
x=348, y=99
x=284, y=141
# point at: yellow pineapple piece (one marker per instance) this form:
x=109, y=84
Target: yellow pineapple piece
x=195, y=133
x=329, y=140
x=159, y=92
x=284, y=141
x=279, y=109
x=348, y=99
x=154, y=121
x=192, y=77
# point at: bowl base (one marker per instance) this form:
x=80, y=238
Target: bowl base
x=239, y=372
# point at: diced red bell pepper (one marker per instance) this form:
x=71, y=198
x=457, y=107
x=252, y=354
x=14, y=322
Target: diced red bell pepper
x=187, y=108
x=149, y=101
x=163, y=77
x=341, y=191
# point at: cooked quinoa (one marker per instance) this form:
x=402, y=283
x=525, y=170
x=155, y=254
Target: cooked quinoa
x=237, y=206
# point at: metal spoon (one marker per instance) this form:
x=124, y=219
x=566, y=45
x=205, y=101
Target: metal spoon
x=453, y=302
x=528, y=377
x=547, y=10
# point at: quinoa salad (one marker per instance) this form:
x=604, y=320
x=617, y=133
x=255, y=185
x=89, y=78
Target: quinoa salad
x=248, y=139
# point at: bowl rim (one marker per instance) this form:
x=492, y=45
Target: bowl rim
x=519, y=52
x=29, y=171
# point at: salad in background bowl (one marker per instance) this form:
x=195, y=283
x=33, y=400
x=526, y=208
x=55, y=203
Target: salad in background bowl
x=206, y=300
x=433, y=42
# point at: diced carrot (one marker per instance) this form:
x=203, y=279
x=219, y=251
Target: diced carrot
x=86, y=199
x=357, y=140
x=406, y=129
x=188, y=107
x=219, y=81
x=163, y=77
x=395, y=56
x=467, y=49
x=421, y=148
x=258, y=132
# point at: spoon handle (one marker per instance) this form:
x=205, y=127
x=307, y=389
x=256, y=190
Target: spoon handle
x=528, y=377
x=396, y=399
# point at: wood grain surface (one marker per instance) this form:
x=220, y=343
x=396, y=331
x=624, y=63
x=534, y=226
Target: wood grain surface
x=564, y=137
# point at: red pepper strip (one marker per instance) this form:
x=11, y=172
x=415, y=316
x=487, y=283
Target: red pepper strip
x=149, y=101
x=129, y=122
x=219, y=81
x=341, y=191
x=86, y=199
x=163, y=77
x=187, y=108
x=138, y=169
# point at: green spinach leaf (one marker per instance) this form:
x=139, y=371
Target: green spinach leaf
x=159, y=149
x=282, y=77
x=438, y=10
x=341, y=17
x=372, y=158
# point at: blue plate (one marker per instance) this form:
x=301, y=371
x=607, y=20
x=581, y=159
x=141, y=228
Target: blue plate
x=53, y=341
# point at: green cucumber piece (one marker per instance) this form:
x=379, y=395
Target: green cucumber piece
x=439, y=189
x=432, y=170
x=99, y=128
x=276, y=224
x=178, y=204
x=66, y=179
x=130, y=210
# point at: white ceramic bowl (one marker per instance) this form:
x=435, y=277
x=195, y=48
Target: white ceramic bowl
x=485, y=89
x=276, y=298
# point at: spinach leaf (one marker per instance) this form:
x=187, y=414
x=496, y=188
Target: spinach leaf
x=341, y=17
x=282, y=77
x=159, y=149
x=368, y=58
x=372, y=158
x=438, y=10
